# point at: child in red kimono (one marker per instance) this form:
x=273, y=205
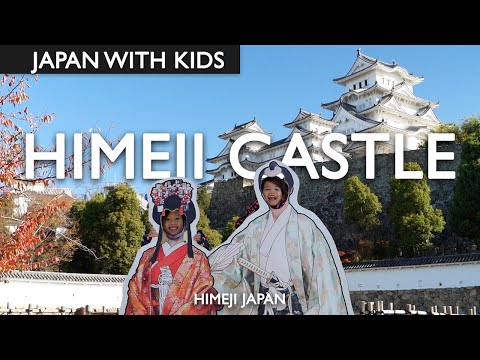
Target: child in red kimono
x=171, y=275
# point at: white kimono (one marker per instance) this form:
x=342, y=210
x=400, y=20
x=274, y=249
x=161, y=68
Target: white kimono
x=296, y=250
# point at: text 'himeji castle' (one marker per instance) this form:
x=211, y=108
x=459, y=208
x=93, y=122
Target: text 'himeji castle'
x=378, y=98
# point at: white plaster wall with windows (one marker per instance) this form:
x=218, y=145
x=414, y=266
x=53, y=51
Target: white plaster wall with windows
x=415, y=277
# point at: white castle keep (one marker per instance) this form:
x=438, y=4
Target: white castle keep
x=378, y=98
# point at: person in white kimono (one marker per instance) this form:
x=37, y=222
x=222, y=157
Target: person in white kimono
x=282, y=259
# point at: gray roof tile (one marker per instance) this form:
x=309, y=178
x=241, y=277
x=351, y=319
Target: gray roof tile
x=447, y=259
x=64, y=277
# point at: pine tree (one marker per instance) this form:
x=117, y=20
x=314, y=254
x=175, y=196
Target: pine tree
x=214, y=238
x=410, y=211
x=146, y=220
x=123, y=229
x=230, y=228
x=465, y=211
x=203, y=199
x=361, y=204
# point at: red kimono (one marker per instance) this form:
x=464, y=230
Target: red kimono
x=190, y=276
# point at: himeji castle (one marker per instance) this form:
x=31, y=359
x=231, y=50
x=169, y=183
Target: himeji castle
x=378, y=98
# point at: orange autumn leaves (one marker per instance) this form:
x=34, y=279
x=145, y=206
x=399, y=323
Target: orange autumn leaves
x=14, y=123
x=22, y=249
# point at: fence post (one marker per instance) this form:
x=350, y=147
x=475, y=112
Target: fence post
x=370, y=307
x=363, y=306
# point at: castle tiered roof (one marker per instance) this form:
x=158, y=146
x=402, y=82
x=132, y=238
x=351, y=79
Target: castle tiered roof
x=306, y=116
x=312, y=127
x=364, y=64
x=247, y=127
x=378, y=97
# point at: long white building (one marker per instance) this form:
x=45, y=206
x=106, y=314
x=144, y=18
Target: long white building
x=76, y=290
x=378, y=98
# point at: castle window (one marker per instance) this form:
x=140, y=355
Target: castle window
x=366, y=83
x=354, y=87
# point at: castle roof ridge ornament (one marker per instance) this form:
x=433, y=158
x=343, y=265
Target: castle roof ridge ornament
x=359, y=51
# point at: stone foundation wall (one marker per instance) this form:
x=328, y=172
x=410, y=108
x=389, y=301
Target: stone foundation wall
x=423, y=299
x=325, y=198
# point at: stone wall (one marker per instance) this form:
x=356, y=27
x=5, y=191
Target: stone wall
x=465, y=298
x=325, y=197
x=229, y=198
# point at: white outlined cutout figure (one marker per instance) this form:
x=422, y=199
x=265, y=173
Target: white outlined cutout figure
x=282, y=260
x=171, y=271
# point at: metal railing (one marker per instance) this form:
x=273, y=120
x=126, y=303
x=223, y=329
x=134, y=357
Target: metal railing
x=377, y=308
x=61, y=310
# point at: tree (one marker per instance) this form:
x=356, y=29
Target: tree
x=21, y=250
x=450, y=128
x=203, y=199
x=214, y=238
x=6, y=212
x=410, y=211
x=60, y=242
x=254, y=206
x=146, y=221
x=29, y=246
x=361, y=204
x=230, y=228
x=468, y=128
x=88, y=215
x=111, y=226
x=123, y=229
x=465, y=210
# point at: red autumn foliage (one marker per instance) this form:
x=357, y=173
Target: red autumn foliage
x=31, y=246
x=22, y=250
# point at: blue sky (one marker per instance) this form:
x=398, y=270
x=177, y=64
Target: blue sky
x=273, y=84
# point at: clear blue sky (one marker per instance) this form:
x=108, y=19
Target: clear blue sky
x=273, y=84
